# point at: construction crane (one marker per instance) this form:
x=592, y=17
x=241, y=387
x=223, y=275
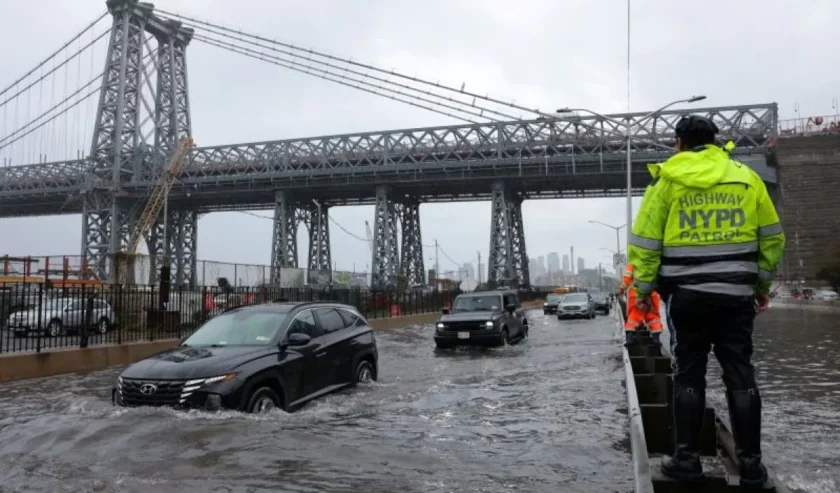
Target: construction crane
x=151, y=212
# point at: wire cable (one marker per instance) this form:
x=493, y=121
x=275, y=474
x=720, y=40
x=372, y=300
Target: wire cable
x=338, y=81
x=354, y=72
x=357, y=64
x=77, y=36
x=306, y=68
x=55, y=68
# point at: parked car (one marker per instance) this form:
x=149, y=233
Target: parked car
x=576, y=305
x=826, y=295
x=58, y=316
x=551, y=302
x=492, y=318
x=257, y=358
x=602, y=302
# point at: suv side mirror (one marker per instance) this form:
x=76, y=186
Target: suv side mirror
x=445, y=311
x=298, y=339
x=510, y=307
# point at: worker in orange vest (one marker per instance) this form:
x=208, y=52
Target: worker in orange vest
x=635, y=314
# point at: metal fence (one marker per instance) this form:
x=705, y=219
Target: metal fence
x=35, y=317
x=812, y=125
x=72, y=267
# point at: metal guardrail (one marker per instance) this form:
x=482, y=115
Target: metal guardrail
x=638, y=444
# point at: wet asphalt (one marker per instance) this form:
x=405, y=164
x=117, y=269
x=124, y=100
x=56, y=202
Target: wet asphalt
x=544, y=415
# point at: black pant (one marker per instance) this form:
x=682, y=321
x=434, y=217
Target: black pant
x=702, y=322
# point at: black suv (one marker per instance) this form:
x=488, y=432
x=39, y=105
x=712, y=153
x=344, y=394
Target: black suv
x=602, y=302
x=257, y=358
x=551, y=302
x=492, y=318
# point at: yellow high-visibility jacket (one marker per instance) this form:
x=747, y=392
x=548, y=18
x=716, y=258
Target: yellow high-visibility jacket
x=706, y=224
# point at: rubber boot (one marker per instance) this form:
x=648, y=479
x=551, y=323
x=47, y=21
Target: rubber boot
x=745, y=416
x=629, y=337
x=689, y=408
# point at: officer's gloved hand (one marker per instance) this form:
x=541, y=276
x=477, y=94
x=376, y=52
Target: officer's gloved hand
x=643, y=302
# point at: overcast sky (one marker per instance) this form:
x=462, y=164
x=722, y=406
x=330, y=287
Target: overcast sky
x=545, y=54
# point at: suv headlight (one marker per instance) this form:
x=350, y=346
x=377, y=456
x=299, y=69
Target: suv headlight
x=545, y=304
x=440, y=325
x=193, y=385
x=489, y=324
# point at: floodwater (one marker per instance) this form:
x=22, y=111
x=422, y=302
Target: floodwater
x=797, y=357
x=545, y=415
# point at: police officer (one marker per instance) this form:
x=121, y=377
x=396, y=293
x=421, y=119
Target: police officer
x=707, y=236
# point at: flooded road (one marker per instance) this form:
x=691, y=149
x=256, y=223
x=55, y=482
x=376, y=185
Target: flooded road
x=797, y=357
x=540, y=416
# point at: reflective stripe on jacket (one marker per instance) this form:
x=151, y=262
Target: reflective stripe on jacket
x=706, y=224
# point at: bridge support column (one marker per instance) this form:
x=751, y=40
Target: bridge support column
x=319, y=238
x=180, y=248
x=412, y=270
x=106, y=223
x=284, y=238
x=508, y=262
x=384, y=264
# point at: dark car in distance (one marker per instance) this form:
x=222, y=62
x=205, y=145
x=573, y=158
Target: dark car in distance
x=551, y=302
x=492, y=318
x=257, y=358
x=602, y=302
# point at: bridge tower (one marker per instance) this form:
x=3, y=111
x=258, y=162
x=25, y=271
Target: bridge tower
x=384, y=264
x=119, y=151
x=508, y=262
x=412, y=269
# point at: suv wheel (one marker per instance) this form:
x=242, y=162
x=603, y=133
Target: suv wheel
x=102, y=326
x=365, y=372
x=263, y=400
x=505, y=340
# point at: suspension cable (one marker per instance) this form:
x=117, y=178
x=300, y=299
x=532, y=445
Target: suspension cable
x=55, y=68
x=359, y=64
x=338, y=81
x=77, y=36
x=5, y=142
x=355, y=72
x=310, y=70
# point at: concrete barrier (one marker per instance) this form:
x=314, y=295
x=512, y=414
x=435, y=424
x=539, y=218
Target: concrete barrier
x=18, y=366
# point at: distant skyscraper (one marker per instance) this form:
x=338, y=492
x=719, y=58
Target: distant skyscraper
x=532, y=266
x=541, y=264
x=572, y=260
x=469, y=269
x=580, y=264
x=566, y=264
x=553, y=262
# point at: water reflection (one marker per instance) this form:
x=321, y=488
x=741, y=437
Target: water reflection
x=797, y=357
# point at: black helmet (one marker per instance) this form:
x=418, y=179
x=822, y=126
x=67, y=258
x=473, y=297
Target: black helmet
x=694, y=125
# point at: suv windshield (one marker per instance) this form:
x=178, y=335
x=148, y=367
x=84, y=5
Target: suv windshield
x=488, y=303
x=554, y=298
x=238, y=328
x=575, y=298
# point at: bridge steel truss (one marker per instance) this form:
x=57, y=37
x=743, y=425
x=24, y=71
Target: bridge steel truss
x=507, y=264
x=396, y=171
x=120, y=154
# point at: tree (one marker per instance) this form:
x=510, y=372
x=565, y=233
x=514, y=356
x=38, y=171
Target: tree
x=829, y=270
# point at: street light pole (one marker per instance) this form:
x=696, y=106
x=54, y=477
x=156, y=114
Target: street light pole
x=629, y=134
x=616, y=228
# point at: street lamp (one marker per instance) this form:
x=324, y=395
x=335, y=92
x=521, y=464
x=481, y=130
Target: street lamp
x=629, y=127
x=616, y=228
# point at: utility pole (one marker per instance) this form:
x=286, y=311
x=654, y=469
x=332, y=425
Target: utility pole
x=437, y=265
x=479, y=267
x=600, y=277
